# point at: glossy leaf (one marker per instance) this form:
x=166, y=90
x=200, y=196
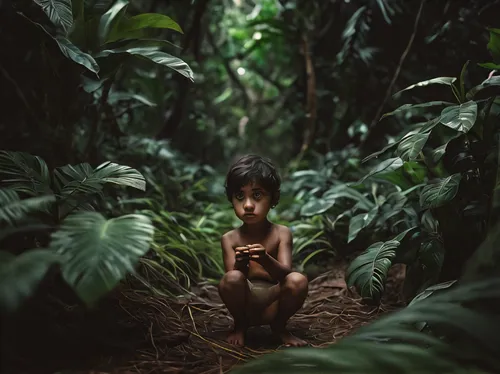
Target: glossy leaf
x=410, y=147
x=24, y=173
x=385, y=166
x=72, y=52
x=110, y=19
x=440, y=80
x=142, y=21
x=460, y=117
x=407, y=107
x=316, y=206
x=368, y=271
x=20, y=275
x=97, y=253
x=438, y=194
x=431, y=289
x=82, y=178
x=60, y=12
x=154, y=55
x=359, y=222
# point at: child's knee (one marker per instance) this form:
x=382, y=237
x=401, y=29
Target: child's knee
x=296, y=283
x=232, y=279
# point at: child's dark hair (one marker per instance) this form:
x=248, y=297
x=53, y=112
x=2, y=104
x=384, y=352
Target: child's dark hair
x=253, y=169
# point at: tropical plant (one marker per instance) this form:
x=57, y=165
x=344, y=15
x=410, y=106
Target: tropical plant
x=433, y=334
x=447, y=167
x=93, y=253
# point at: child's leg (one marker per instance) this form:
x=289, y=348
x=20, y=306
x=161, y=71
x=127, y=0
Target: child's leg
x=233, y=290
x=293, y=293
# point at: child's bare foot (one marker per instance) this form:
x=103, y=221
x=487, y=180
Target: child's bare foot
x=237, y=337
x=288, y=339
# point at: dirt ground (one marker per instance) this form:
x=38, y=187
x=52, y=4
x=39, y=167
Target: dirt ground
x=134, y=332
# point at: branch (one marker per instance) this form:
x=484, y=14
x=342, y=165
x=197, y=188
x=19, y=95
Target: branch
x=396, y=72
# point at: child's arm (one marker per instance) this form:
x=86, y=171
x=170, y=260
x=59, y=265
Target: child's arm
x=279, y=268
x=229, y=257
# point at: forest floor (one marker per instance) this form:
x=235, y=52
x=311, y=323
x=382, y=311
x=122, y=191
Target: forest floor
x=133, y=332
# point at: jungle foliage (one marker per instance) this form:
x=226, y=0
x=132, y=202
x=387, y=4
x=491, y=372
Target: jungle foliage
x=120, y=118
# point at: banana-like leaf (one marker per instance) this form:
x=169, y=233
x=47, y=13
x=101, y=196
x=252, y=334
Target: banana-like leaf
x=460, y=117
x=316, y=206
x=391, y=343
x=72, y=52
x=359, y=222
x=20, y=275
x=440, y=80
x=407, y=107
x=13, y=209
x=385, y=166
x=59, y=12
x=411, y=146
x=24, y=173
x=368, y=271
x=437, y=194
x=111, y=19
x=152, y=54
x=98, y=253
x=344, y=191
x=129, y=26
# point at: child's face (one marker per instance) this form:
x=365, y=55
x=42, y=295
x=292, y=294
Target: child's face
x=252, y=203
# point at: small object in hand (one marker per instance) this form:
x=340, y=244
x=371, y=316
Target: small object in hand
x=242, y=253
x=257, y=252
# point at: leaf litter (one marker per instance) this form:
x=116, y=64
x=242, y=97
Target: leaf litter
x=133, y=331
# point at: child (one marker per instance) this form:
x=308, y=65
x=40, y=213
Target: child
x=259, y=286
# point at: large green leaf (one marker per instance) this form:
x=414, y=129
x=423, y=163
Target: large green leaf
x=24, y=173
x=407, y=107
x=385, y=166
x=59, y=12
x=437, y=194
x=359, y=222
x=440, y=80
x=98, y=253
x=128, y=26
x=20, y=275
x=460, y=117
x=81, y=178
x=410, y=147
x=154, y=55
x=368, y=271
x=111, y=19
x=340, y=191
x=422, y=129
x=490, y=82
x=316, y=206
x=13, y=209
x=72, y=52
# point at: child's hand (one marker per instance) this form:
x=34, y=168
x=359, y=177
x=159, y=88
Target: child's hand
x=242, y=253
x=257, y=252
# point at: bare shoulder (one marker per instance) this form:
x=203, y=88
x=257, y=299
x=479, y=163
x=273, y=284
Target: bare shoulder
x=230, y=237
x=284, y=232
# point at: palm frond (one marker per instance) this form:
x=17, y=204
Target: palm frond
x=13, y=209
x=24, y=173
